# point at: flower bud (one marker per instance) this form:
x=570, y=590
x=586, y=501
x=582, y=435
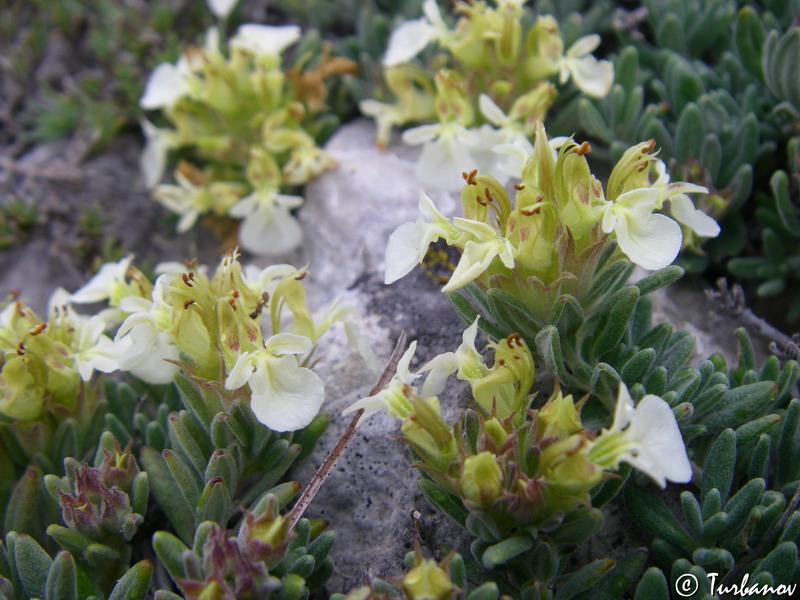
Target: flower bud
x=559, y=417
x=426, y=428
x=427, y=581
x=481, y=479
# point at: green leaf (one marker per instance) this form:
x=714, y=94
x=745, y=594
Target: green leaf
x=578, y=525
x=135, y=584
x=788, y=458
x=548, y=343
x=617, y=581
x=661, y=278
x=749, y=37
x=62, y=579
x=33, y=566
x=740, y=505
x=690, y=134
x=592, y=122
x=615, y=321
x=309, y=435
x=651, y=514
x=170, y=551
x=759, y=460
x=502, y=552
x=214, y=503
x=608, y=490
x=692, y=514
x=781, y=562
x=22, y=507
x=788, y=212
x=741, y=404
x=719, y=465
x=185, y=477
x=584, y=578
x=487, y=591
x=449, y=504
x=638, y=366
x=513, y=314
x=169, y=495
x=652, y=586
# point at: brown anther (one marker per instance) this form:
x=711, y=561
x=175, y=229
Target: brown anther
x=20, y=308
x=481, y=201
x=302, y=276
x=469, y=177
x=187, y=278
x=643, y=166
x=191, y=264
x=20, y=348
x=37, y=329
x=235, y=293
x=232, y=302
x=516, y=357
x=502, y=362
x=514, y=338
x=531, y=212
x=519, y=187
x=649, y=145
x=583, y=149
x=488, y=194
x=13, y=295
x=188, y=303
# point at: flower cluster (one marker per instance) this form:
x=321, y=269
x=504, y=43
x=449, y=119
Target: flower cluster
x=490, y=84
x=521, y=465
x=244, y=122
x=47, y=362
x=238, y=330
x=554, y=233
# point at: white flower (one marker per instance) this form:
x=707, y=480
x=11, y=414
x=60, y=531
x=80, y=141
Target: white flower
x=182, y=199
x=466, y=360
x=681, y=206
x=650, y=240
x=409, y=242
x=285, y=396
x=144, y=349
x=445, y=154
x=647, y=437
x=593, y=77
x=268, y=228
x=221, y=8
x=265, y=40
x=95, y=350
x=107, y=284
x=393, y=396
x=154, y=156
x=479, y=253
x=411, y=37
x=167, y=84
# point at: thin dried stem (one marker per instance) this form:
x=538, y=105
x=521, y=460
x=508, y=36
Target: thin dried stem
x=349, y=433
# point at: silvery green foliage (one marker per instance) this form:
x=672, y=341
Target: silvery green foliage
x=696, y=84
x=745, y=519
x=200, y=461
x=778, y=266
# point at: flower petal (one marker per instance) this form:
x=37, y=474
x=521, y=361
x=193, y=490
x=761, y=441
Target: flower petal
x=221, y=8
x=290, y=397
x=288, y=343
x=662, y=453
x=265, y=39
x=684, y=211
x=593, y=77
x=270, y=230
x=493, y=113
x=584, y=46
x=166, y=85
x=653, y=244
x=407, y=41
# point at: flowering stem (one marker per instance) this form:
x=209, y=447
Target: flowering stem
x=349, y=433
